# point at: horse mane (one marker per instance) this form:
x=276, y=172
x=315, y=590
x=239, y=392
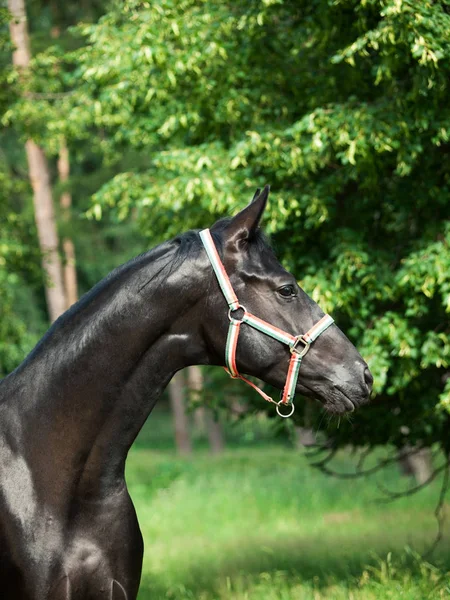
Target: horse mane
x=164, y=258
x=178, y=249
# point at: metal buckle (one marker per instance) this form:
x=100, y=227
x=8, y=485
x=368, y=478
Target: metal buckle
x=232, y=319
x=293, y=348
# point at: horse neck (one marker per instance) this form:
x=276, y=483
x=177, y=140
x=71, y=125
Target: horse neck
x=83, y=395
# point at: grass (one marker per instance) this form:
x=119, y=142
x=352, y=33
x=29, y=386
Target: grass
x=257, y=522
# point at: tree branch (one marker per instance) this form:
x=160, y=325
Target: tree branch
x=410, y=491
x=439, y=510
x=360, y=473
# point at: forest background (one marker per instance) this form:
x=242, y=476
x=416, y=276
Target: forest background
x=148, y=118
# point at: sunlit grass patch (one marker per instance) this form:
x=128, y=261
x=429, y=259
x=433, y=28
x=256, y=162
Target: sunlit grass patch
x=260, y=524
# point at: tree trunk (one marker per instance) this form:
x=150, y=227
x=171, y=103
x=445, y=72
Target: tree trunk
x=40, y=178
x=69, y=272
x=46, y=228
x=55, y=10
x=417, y=464
x=180, y=419
x=204, y=417
x=215, y=433
x=305, y=435
x=195, y=386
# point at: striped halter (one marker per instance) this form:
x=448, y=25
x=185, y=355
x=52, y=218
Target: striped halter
x=298, y=345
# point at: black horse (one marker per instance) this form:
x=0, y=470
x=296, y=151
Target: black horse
x=70, y=412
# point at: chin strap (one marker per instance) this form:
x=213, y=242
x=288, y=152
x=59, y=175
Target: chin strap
x=298, y=345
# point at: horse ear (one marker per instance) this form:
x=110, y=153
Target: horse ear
x=244, y=225
x=256, y=194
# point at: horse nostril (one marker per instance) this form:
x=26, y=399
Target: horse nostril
x=368, y=379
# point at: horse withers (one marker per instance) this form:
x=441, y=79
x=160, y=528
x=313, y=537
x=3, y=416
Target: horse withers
x=70, y=412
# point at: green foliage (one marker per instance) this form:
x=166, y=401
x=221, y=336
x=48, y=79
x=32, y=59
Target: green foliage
x=20, y=276
x=341, y=105
x=30, y=106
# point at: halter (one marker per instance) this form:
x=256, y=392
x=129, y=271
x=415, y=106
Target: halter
x=298, y=345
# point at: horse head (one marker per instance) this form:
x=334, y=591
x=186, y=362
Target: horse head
x=332, y=371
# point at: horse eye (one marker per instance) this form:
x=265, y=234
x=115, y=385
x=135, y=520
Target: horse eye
x=287, y=291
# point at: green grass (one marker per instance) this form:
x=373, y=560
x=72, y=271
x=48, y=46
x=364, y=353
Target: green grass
x=259, y=523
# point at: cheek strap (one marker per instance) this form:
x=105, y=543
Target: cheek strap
x=298, y=345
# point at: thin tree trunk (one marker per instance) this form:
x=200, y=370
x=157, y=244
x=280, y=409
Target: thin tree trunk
x=204, y=416
x=46, y=228
x=180, y=419
x=69, y=272
x=195, y=386
x=39, y=177
x=200, y=420
x=215, y=433
x=305, y=435
x=418, y=464
x=238, y=408
x=55, y=31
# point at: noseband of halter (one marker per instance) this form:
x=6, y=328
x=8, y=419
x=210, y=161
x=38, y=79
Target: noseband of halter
x=298, y=345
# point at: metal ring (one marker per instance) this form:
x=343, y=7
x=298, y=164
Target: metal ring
x=289, y=414
x=240, y=307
